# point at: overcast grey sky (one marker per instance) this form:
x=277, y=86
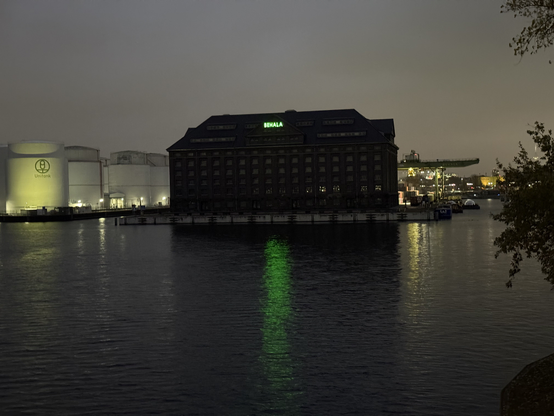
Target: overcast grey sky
x=135, y=74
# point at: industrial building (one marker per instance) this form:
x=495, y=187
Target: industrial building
x=335, y=160
x=45, y=176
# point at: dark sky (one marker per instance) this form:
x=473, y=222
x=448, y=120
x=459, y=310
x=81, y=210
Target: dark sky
x=135, y=74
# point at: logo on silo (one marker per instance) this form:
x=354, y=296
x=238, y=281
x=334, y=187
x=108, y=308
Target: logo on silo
x=42, y=166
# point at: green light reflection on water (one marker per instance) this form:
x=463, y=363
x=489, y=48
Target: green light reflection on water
x=278, y=365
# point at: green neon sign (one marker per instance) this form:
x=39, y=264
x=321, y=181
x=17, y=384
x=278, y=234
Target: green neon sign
x=272, y=124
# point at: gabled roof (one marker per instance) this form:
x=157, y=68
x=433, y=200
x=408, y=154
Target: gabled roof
x=310, y=127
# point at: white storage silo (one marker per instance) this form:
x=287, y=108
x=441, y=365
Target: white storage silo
x=85, y=176
x=159, y=178
x=129, y=175
x=36, y=176
x=3, y=160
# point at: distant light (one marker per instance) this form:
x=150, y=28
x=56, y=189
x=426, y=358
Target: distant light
x=163, y=198
x=101, y=199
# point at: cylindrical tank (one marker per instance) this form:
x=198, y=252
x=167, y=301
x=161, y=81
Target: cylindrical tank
x=3, y=160
x=129, y=174
x=85, y=176
x=36, y=176
x=159, y=178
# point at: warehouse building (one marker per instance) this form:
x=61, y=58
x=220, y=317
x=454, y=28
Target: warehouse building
x=334, y=160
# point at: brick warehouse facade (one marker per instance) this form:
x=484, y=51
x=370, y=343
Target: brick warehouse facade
x=304, y=161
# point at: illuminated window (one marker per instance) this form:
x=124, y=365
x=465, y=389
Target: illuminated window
x=309, y=189
x=336, y=188
x=322, y=189
x=378, y=187
x=363, y=188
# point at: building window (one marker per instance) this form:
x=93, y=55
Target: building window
x=294, y=160
x=282, y=170
x=216, y=182
x=282, y=191
x=363, y=177
x=255, y=171
x=336, y=188
x=242, y=181
x=229, y=162
x=336, y=169
x=204, y=182
x=322, y=201
x=308, y=169
x=295, y=179
x=191, y=173
x=377, y=177
x=242, y=162
x=349, y=168
x=295, y=190
x=268, y=171
x=294, y=170
x=216, y=172
x=363, y=188
x=281, y=180
x=268, y=181
x=256, y=191
x=242, y=171
x=217, y=191
x=321, y=159
x=309, y=189
x=229, y=182
x=363, y=158
x=308, y=159
x=203, y=172
x=378, y=187
x=322, y=189
x=177, y=164
x=363, y=168
x=268, y=191
x=377, y=157
x=336, y=179
x=322, y=179
x=192, y=183
x=335, y=159
x=350, y=178
x=268, y=161
x=308, y=179
x=309, y=203
x=178, y=184
x=178, y=174
x=255, y=161
x=215, y=162
x=322, y=169
x=229, y=172
x=191, y=163
x=281, y=160
x=377, y=167
x=349, y=158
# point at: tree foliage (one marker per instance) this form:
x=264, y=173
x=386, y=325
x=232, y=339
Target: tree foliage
x=529, y=210
x=539, y=33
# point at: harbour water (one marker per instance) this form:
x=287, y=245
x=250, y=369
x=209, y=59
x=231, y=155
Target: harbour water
x=353, y=319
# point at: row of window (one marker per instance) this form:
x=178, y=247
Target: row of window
x=299, y=123
x=281, y=180
x=281, y=160
x=270, y=171
x=322, y=189
x=362, y=148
